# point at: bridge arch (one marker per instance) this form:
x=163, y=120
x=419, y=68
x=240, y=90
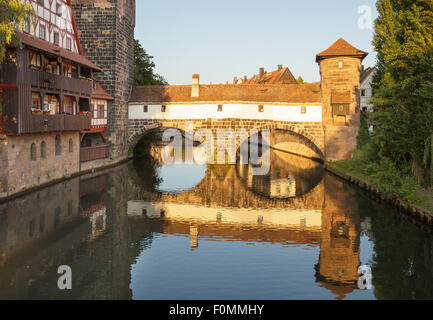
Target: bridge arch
x=310, y=134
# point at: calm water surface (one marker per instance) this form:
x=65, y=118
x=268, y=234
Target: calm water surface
x=148, y=231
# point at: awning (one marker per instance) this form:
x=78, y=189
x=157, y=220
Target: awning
x=341, y=97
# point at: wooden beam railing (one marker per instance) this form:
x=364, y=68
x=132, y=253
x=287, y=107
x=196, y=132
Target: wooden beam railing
x=93, y=153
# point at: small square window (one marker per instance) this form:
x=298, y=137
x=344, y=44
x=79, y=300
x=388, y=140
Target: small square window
x=261, y=108
x=56, y=38
x=220, y=108
x=59, y=9
x=163, y=108
x=145, y=108
x=42, y=32
x=303, y=109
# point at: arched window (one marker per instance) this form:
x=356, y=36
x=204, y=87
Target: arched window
x=33, y=152
x=71, y=146
x=58, y=145
x=43, y=150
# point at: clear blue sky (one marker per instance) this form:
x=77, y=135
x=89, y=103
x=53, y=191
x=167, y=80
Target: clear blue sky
x=226, y=38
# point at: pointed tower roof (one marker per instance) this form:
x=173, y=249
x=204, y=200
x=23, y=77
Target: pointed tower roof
x=341, y=48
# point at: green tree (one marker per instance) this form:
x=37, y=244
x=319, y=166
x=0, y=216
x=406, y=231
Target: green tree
x=144, y=68
x=404, y=82
x=300, y=80
x=12, y=16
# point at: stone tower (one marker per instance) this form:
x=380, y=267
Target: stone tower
x=106, y=30
x=340, y=71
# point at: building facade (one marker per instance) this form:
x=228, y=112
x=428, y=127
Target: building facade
x=45, y=93
x=327, y=114
x=367, y=76
x=106, y=29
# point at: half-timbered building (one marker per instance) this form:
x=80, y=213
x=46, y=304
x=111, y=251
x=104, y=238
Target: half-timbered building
x=46, y=87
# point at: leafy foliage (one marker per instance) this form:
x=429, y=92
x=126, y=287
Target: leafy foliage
x=404, y=81
x=144, y=68
x=12, y=16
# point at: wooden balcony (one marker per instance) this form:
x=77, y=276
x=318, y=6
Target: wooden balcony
x=93, y=153
x=46, y=80
x=56, y=123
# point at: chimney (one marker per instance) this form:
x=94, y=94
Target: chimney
x=195, y=88
x=262, y=72
x=245, y=79
x=280, y=66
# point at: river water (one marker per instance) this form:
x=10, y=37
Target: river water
x=185, y=231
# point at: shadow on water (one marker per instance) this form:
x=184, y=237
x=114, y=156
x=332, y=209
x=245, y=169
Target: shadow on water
x=146, y=230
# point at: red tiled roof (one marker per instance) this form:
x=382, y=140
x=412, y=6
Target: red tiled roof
x=289, y=93
x=283, y=76
x=341, y=48
x=55, y=50
x=100, y=93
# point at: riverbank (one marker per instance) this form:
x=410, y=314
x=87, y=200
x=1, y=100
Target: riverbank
x=86, y=168
x=415, y=210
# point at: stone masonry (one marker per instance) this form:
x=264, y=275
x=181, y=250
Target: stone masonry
x=310, y=133
x=106, y=30
x=340, y=134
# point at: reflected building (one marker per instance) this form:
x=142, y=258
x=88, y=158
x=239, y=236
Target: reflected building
x=295, y=203
x=65, y=224
x=100, y=224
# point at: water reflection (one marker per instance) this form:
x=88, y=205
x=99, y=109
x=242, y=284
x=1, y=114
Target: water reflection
x=146, y=231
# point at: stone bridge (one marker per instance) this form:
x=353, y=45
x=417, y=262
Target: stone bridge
x=301, y=138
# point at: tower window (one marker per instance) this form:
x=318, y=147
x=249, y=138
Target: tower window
x=58, y=145
x=43, y=150
x=33, y=152
x=71, y=146
x=341, y=109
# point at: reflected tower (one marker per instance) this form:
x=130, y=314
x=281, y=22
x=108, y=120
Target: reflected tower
x=339, y=260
